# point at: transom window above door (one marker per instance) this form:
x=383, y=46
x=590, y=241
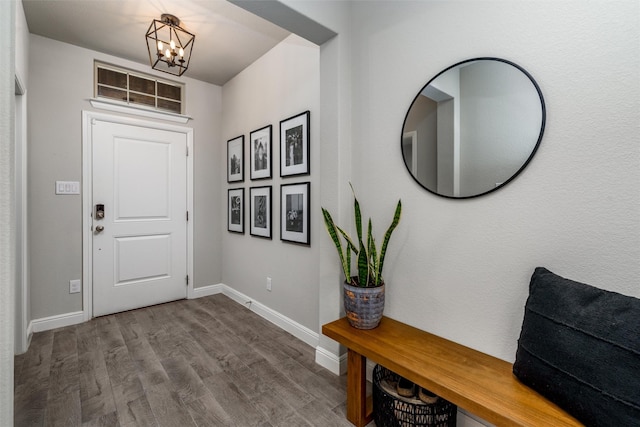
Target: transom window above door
x=139, y=89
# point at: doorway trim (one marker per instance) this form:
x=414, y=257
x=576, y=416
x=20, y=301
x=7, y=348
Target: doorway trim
x=88, y=117
x=24, y=329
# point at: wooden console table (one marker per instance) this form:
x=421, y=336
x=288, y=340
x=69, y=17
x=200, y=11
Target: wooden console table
x=475, y=381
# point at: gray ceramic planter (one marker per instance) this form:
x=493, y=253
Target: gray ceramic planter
x=364, y=306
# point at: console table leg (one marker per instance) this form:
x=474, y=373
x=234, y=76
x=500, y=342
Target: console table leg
x=358, y=411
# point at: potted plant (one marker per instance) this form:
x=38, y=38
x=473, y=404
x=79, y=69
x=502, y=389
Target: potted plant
x=364, y=291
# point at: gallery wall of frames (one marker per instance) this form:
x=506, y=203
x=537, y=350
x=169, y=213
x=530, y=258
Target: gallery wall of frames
x=294, y=214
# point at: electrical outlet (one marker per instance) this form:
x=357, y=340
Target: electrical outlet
x=74, y=286
x=269, y=284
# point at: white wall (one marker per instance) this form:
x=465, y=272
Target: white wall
x=22, y=45
x=61, y=82
x=461, y=269
x=282, y=83
x=7, y=206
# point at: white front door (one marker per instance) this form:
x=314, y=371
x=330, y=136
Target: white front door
x=140, y=245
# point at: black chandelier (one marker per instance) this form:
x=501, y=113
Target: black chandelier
x=169, y=45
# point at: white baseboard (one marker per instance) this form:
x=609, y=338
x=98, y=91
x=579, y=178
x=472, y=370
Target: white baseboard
x=466, y=419
x=22, y=345
x=370, y=367
x=294, y=328
x=29, y=334
x=205, y=291
x=58, y=321
x=328, y=360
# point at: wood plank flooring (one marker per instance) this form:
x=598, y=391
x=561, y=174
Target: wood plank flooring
x=201, y=362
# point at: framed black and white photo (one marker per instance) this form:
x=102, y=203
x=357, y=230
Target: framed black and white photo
x=260, y=211
x=294, y=145
x=235, y=159
x=260, y=149
x=235, y=213
x=294, y=213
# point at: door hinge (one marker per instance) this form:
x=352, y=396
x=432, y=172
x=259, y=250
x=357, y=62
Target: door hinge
x=187, y=280
x=187, y=215
x=187, y=151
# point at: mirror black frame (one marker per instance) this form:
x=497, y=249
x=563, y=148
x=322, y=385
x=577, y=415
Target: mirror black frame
x=524, y=165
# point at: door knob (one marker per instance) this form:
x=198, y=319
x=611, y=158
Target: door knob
x=99, y=228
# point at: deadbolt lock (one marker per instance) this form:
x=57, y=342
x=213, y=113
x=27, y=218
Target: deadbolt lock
x=99, y=211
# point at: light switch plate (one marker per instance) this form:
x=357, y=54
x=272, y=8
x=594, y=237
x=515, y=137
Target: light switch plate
x=67, y=187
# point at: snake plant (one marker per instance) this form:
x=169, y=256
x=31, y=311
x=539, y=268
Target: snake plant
x=369, y=261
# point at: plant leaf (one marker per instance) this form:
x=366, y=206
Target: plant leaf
x=350, y=247
x=373, y=257
x=387, y=236
x=331, y=229
x=363, y=266
x=350, y=243
x=347, y=274
x=358, y=215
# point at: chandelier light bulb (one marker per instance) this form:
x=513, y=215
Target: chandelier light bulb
x=160, y=46
x=173, y=45
x=181, y=52
x=167, y=53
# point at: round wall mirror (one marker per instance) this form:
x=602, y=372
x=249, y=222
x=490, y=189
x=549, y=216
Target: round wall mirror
x=473, y=128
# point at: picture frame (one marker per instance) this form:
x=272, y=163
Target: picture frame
x=295, y=214
x=294, y=145
x=260, y=149
x=260, y=211
x=235, y=159
x=235, y=210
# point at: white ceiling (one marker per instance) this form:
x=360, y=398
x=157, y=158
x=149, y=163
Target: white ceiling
x=228, y=38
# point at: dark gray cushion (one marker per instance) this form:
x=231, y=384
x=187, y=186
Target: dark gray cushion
x=580, y=347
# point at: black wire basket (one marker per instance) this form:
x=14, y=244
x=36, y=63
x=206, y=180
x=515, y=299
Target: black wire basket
x=392, y=410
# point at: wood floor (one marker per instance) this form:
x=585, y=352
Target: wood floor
x=201, y=362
